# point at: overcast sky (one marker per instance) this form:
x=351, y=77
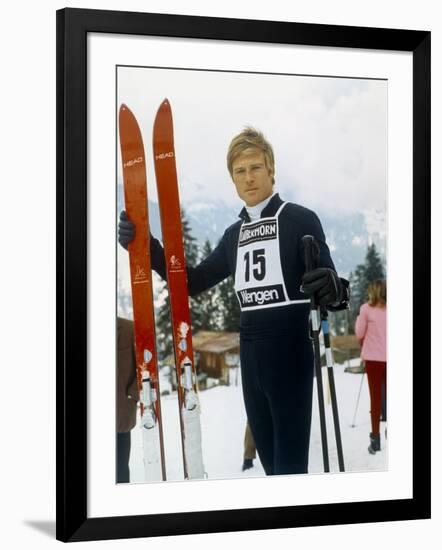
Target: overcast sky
x=329, y=134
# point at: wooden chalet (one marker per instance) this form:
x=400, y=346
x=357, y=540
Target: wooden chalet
x=216, y=354
x=345, y=347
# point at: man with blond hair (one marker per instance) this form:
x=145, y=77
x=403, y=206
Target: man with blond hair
x=264, y=254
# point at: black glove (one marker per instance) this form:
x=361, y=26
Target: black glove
x=126, y=230
x=325, y=284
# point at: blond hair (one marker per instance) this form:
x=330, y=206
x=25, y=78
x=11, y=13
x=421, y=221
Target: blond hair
x=250, y=138
x=377, y=293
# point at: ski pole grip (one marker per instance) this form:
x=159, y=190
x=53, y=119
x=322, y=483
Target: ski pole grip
x=309, y=248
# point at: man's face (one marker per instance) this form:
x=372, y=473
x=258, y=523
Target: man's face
x=252, y=178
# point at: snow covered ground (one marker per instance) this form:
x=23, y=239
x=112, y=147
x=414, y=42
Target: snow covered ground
x=223, y=425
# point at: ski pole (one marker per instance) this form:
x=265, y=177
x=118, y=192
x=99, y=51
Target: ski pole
x=310, y=254
x=357, y=401
x=331, y=379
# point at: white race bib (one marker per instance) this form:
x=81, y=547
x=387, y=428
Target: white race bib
x=259, y=282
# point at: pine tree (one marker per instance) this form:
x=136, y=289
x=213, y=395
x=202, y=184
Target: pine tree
x=189, y=241
x=374, y=268
x=229, y=306
x=191, y=252
x=363, y=275
x=204, y=307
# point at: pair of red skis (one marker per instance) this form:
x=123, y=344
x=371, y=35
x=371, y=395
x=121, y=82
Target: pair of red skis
x=135, y=195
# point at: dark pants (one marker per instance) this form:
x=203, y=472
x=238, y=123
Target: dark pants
x=123, y=453
x=376, y=374
x=277, y=378
x=384, y=402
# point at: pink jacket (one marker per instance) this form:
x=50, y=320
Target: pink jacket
x=371, y=327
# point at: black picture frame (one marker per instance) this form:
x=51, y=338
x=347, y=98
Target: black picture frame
x=73, y=26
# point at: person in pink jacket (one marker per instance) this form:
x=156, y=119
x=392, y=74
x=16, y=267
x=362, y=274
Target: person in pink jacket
x=371, y=329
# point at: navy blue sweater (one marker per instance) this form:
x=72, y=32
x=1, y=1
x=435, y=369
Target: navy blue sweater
x=294, y=222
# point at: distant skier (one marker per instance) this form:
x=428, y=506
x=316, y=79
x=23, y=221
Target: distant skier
x=264, y=254
x=371, y=328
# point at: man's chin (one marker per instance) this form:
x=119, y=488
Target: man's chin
x=251, y=199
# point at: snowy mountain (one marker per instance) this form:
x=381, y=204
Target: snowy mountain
x=348, y=237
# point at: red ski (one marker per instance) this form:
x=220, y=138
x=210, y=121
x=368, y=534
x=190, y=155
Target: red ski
x=135, y=196
x=169, y=202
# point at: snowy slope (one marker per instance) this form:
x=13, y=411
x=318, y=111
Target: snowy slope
x=223, y=426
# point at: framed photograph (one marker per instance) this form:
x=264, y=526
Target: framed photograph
x=279, y=174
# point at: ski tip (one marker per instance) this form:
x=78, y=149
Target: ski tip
x=124, y=108
x=165, y=105
x=163, y=109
